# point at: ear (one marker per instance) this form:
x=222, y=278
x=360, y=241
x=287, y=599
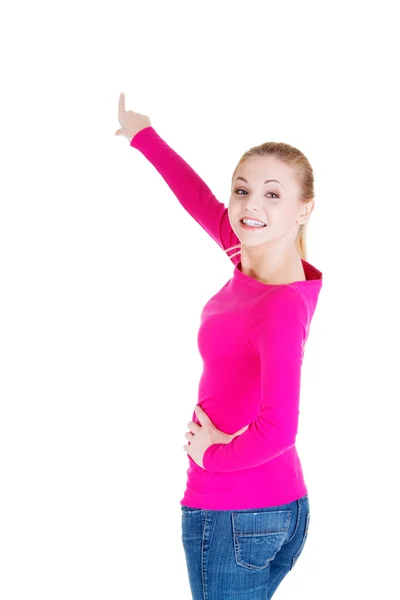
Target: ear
x=306, y=212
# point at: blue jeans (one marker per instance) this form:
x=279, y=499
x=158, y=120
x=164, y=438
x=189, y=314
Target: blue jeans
x=242, y=553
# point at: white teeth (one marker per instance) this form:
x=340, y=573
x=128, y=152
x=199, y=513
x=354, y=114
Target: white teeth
x=251, y=222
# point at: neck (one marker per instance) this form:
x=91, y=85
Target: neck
x=272, y=268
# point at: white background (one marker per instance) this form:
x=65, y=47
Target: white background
x=99, y=310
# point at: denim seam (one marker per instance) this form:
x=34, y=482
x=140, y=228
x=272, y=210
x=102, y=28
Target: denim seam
x=203, y=578
x=302, y=544
x=297, y=522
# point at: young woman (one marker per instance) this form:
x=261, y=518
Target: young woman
x=245, y=510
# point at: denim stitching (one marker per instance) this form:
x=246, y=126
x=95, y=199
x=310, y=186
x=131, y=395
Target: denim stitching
x=297, y=522
x=248, y=533
x=203, y=578
x=303, y=541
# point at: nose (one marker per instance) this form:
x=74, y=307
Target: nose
x=252, y=211
x=253, y=206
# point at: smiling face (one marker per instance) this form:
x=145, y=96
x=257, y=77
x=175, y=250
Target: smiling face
x=276, y=203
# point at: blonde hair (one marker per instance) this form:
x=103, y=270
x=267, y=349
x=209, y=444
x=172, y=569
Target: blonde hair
x=294, y=158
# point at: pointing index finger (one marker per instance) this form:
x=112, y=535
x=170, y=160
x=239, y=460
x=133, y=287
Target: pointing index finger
x=121, y=103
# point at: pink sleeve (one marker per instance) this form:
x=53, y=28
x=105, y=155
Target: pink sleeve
x=191, y=191
x=277, y=334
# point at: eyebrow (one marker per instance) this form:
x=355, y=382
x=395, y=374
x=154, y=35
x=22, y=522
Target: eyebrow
x=264, y=181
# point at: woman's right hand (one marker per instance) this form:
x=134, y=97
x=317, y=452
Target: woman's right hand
x=131, y=122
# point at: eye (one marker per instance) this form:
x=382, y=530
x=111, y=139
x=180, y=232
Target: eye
x=242, y=190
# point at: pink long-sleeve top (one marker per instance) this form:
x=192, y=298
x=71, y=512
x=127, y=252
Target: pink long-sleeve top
x=251, y=340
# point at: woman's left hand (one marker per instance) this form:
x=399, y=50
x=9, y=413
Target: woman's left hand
x=204, y=435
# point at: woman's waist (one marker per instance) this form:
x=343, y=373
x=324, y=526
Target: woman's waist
x=275, y=482
x=285, y=466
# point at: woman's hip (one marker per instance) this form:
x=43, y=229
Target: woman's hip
x=242, y=551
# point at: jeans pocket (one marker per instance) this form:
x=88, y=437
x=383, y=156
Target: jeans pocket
x=303, y=541
x=258, y=536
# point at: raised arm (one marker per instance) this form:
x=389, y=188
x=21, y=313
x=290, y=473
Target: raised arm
x=277, y=334
x=191, y=191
